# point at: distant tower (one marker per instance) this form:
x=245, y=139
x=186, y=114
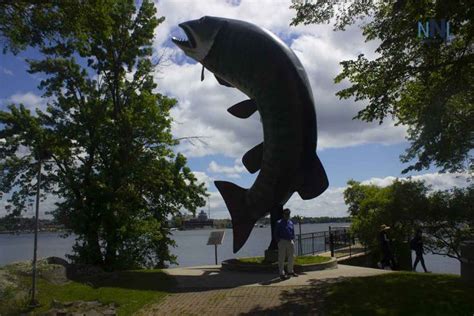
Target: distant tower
x=202, y=216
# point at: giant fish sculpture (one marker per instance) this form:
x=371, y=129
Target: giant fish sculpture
x=258, y=63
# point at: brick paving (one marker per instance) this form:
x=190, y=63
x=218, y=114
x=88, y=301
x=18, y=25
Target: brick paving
x=209, y=291
x=236, y=301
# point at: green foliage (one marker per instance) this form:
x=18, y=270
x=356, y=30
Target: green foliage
x=446, y=217
x=129, y=290
x=105, y=138
x=398, y=206
x=449, y=220
x=397, y=294
x=425, y=86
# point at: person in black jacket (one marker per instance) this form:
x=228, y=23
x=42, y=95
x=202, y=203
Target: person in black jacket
x=387, y=259
x=417, y=244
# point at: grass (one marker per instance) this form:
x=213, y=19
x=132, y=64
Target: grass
x=129, y=290
x=298, y=260
x=401, y=293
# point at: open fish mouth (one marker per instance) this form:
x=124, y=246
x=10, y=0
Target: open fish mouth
x=188, y=43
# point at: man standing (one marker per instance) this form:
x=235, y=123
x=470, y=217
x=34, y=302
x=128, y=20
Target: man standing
x=387, y=259
x=285, y=236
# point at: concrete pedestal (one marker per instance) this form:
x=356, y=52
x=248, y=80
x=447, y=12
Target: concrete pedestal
x=467, y=260
x=271, y=255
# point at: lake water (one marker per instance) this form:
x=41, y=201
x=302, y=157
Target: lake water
x=191, y=247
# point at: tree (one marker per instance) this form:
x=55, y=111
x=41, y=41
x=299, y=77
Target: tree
x=449, y=221
x=426, y=85
x=106, y=131
x=399, y=205
x=446, y=217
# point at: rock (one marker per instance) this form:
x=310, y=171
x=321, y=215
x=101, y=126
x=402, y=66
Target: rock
x=82, y=308
x=57, y=260
x=51, y=312
x=93, y=303
x=93, y=312
x=83, y=271
x=56, y=304
x=57, y=274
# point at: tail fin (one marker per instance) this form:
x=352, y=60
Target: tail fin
x=315, y=180
x=242, y=219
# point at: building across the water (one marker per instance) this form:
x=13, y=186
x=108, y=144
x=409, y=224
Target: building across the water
x=201, y=221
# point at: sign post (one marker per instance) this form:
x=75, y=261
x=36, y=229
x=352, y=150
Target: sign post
x=215, y=238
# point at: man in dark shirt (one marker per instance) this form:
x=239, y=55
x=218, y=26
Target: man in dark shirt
x=387, y=259
x=285, y=236
x=417, y=244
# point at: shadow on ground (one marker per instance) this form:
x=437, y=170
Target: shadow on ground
x=205, y=279
x=215, y=278
x=391, y=294
x=304, y=300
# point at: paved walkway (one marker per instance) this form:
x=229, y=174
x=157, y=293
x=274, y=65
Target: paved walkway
x=207, y=290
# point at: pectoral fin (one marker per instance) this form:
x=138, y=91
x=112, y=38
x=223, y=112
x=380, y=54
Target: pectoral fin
x=243, y=109
x=222, y=81
x=315, y=180
x=252, y=159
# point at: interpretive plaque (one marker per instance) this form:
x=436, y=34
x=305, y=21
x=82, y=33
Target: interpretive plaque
x=216, y=237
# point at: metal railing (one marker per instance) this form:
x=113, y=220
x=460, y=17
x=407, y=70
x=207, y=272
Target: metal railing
x=337, y=240
x=312, y=243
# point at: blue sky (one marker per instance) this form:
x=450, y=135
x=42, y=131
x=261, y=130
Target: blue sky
x=348, y=149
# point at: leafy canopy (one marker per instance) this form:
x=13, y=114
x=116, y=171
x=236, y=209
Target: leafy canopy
x=105, y=137
x=446, y=217
x=426, y=85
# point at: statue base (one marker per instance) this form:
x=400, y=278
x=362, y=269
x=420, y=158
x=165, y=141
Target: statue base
x=271, y=256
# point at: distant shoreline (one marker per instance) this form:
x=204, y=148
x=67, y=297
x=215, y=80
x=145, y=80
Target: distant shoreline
x=11, y=232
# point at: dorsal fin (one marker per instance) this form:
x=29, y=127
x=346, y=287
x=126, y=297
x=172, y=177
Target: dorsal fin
x=243, y=109
x=252, y=159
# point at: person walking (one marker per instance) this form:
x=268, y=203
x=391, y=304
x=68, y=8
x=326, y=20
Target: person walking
x=417, y=244
x=285, y=236
x=387, y=255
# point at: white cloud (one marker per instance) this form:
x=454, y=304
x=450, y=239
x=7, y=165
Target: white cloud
x=331, y=202
x=30, y=100
x=6, y=71
x=231, y=172
x=202, y=105
x=437, y=181
x=203, y=177
x=275, y=16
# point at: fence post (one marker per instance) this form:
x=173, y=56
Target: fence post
x=350, y=250
x=325, y=240
x=312, y=241
x=300, y=244
x=331, y=243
